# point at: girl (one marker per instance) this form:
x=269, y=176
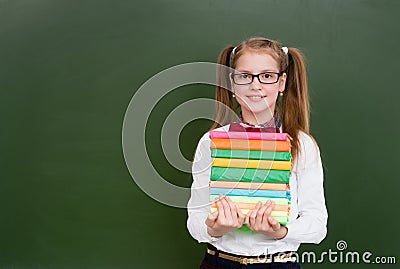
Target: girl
x=268, y=81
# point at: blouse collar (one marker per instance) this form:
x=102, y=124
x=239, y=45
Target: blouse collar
x=274, y=122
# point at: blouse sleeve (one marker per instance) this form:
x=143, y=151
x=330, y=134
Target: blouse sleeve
x=310, y=226
x=198, y=205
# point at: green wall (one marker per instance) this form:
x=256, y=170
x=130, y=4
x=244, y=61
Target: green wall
x=68, y=70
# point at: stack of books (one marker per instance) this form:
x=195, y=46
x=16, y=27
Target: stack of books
x=251, y=167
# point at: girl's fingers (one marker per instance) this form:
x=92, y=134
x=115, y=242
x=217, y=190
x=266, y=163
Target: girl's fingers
x=274, y=224
x=232, y=207
x=247, y=218
x=272, y=204
x=268, y=210
x=240, y=214
x=260, y=214
x=253, y=215
x=211, y=219
x=227, y=210
x=266, y=217
x=220, y=208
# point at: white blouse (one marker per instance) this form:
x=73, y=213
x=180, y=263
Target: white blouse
x=308, y=214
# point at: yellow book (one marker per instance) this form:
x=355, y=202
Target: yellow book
x=259, y=164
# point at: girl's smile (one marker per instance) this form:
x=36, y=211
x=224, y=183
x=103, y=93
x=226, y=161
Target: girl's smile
x=256, y=98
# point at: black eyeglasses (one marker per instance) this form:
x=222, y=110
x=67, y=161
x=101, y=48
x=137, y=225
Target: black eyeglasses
x=264, y=78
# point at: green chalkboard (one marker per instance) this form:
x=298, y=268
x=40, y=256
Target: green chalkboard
x=69, y=69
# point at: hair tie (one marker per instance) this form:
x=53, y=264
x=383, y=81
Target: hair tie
x=285, y=50
x=234, y=50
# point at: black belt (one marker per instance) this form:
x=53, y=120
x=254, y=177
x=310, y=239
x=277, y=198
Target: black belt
x=287, y=256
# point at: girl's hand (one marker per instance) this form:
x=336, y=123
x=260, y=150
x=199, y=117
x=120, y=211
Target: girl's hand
x=228, y=217
x=259, y=220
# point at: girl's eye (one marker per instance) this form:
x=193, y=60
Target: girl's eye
x=266, y=75
x=244, y=76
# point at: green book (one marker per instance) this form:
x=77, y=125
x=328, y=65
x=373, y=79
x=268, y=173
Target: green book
x=250, y=154
x=249, y=175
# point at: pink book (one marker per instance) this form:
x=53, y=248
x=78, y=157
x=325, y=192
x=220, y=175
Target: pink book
x=250, y=135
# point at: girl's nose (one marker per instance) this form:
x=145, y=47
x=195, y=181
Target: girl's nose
x=255, y=85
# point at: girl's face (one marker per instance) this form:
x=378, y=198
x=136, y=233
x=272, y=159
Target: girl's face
x=257, y=100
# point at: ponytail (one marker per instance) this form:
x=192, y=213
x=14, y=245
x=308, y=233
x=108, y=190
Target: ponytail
x=294, y=110
x=224, y=105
